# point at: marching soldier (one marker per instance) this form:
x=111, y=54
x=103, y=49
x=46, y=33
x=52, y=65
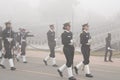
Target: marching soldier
x=0, y=42
x=52, y=45
x=85, y=40
x=8, y=38
x=108, y=48
x=22, y=36
x=68, y=49
x=18, y=43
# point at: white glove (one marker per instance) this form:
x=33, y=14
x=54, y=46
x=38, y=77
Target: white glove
x=71, y=42
x=9, y=39
x=108, y=48
x=89, y=42
x=56, y=39
x=19, y=46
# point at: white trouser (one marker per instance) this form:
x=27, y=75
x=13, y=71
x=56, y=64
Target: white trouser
x=11, y=63
x=70, y=72
x=47, y=58
x=87, y=69
x=53, y=61
x=79, y=65
x=2, y=61
x=62, y=68
x=24, y=58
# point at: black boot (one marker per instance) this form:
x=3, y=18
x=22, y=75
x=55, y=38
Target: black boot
x=13, y=68
x=105, y=61
x=89, y=75
x=55, y=65
x=60, y=73
x=25, y=62
x=76, y=70
x=45, y=62
x=72, y=78
x=110, y=60
x=2, y=66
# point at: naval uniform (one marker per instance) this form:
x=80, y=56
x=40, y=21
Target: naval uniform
x=85, y=40
x=21, y=38
x=68, y=49
x=51, y=43
x=8, y=33
x=85, y=49
x=8, y=40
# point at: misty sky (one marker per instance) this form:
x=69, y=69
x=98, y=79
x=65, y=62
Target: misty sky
x=36, y=15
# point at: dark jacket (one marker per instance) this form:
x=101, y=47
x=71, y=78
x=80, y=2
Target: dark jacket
x=7, y=33
x=84, y=37
x=66, y=38
x=108, y=42
x=51, y=38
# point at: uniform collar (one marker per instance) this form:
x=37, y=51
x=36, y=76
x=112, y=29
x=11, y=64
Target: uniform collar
x=85, y=31
x=67, y=31
x=51, y=30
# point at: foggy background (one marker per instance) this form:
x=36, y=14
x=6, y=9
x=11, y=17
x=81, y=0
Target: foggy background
x=103, y=16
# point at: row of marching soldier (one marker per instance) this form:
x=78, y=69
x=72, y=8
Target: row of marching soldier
x=14, y=45
x=68, y=49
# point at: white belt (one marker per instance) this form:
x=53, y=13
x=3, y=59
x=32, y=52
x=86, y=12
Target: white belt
x=23, y=40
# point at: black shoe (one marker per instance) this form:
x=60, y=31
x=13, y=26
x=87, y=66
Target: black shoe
x=17, y=60
x=110, y=60
x=13, y=68
x=45, y=62
x=76, y=70
x=2, y=66
x=60, y=73
x=105, y=61
x=55, y=65
x=89, y=75
x=25, y=62
x=72, y=78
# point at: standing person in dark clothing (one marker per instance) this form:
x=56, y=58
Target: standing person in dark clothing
x=23, y=44
x=52, y=45
x=0, y=42
x=8, y=38
x=68, y=49
x=85, y=40
x=108, y=48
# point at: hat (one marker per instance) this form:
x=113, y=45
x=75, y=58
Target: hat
x=85, y=25
x=7, y=22
x=66, y=24
x=52, y=25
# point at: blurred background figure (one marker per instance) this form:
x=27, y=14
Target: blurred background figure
x=108, y=48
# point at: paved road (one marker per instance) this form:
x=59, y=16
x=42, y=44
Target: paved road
x=36, y=70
